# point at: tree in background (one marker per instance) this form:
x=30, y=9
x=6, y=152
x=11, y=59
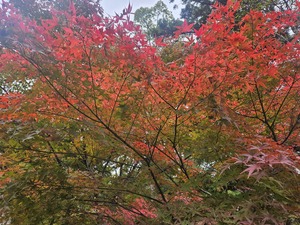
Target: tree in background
x=113, y=130
x=197, y=11
x=157, y=20
x=41, y=9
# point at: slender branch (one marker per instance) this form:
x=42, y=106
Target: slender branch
x=134, y=119
x=59, y=162
x=162, y=98
x=174, y=142
x=70, y=154
x=290, y=132
x=89, y=55
x=157, y=185
x=116, y=100
x=152, y=150
x=271, y=128
x=282, y=103
x=4, y=90
x=254, y=107
x=272, y=100
x=165, y=173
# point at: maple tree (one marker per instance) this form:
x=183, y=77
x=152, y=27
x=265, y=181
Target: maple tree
x=101, y=126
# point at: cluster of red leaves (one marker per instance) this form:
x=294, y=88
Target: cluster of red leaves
x=187, y=197
x=264, y=156
x=128, y=215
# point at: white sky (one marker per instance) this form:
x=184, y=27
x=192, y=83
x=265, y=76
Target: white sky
x=112, y=6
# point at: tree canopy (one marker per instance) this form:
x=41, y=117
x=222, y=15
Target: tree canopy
x=101, y=126
x=199, y=10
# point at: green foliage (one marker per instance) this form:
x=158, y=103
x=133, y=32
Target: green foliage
x=197, y=11
x=41, y=9
x=157, y=20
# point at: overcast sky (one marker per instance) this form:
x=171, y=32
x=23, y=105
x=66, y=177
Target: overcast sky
x=112, y=6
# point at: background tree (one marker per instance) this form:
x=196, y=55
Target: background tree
x=197, y=11
x=157, y=20
x=40, y=9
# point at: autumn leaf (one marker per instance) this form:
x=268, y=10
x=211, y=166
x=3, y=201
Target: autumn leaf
x=184, y=28
x=252, y=169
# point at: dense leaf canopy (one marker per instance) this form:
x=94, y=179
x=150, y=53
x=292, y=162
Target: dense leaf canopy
x=101, y=126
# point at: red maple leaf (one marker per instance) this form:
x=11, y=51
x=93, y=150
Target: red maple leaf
x=184, y=28
x=252, y=169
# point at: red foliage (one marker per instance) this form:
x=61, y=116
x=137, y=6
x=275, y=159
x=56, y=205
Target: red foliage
x=102, y=71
